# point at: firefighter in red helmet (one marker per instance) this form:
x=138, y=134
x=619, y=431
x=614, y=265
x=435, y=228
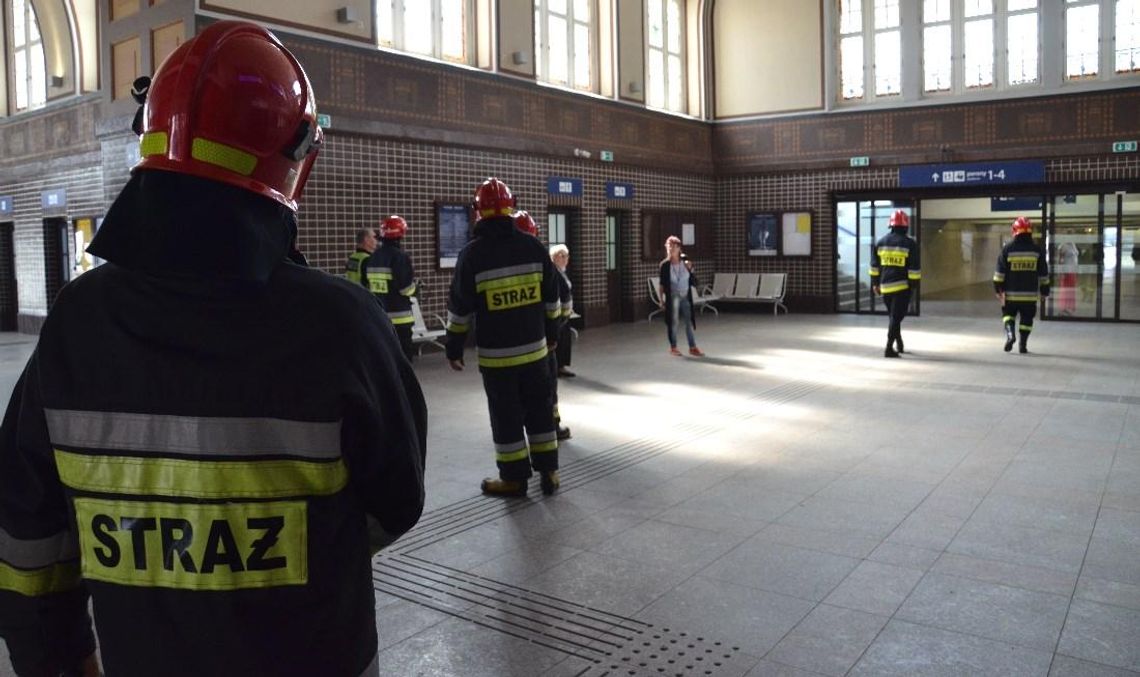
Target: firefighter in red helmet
x=215, y=481
x=1020, y=280
x=505, y=283
x=393, y=280
x=895, y=272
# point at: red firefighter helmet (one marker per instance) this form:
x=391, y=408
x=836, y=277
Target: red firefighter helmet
x=493, y=198
x=1021, y=225
x=393, y=228
x=899, y=219
x=233, y=105
x=525, y=223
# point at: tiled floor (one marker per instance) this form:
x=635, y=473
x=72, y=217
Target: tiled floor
x=792, y=504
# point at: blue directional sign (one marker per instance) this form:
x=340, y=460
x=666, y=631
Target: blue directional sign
x=5, y=205
x=54, y=200
x=561, y=185
x=972, y=174
x=1015, y=204
x=619, y=191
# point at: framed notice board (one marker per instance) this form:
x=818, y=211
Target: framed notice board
x=452, y=231
x=778, y=233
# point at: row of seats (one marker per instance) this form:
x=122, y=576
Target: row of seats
x=733, y=287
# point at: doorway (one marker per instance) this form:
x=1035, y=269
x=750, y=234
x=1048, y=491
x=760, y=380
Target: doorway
x=859, y=225
x=616, y=302
x=9, y=303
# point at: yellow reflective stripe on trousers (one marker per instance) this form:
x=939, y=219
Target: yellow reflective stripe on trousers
x=200, y=479
x=509, y=456
x=892, y=287
x=37, y=582
x=401, y=317
x=190, y=546
x=513, y=360
x=540, y=447
x=1020, y=298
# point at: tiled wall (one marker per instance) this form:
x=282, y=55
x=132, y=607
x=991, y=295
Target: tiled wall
x=358, y=180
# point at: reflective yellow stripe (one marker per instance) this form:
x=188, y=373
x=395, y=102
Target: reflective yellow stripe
x=1006, y=318
x=914, y=275
x=892, y=287
x=509, y=281
x=457, y=328
x=999, y=277
x=409, y=290
x=192, y=546
x=514, y=361
x=1020, y=298
x=539, y=447
x=508, y=456
x=200, y=479
x=874, y=272
x=223, y=156
x=553, y=314
x=153, y=143
x=502, y=211
x=36, y=582
x=1025, y=327
x=402, y=319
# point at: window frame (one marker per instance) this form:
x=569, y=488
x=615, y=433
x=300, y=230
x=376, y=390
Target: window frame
x=542, y=14
x=33, y=98
x=681, y=55
x=399, y=41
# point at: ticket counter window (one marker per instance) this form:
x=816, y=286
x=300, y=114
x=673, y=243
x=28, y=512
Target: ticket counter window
x=83, y=232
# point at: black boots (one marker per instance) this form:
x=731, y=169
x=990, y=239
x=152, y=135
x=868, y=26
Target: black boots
x=898, y=344
x=890, y=351
x=1023, y=344
x=1009, y=337
x=549, y=481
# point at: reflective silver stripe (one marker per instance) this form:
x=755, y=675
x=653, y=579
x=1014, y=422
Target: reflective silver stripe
x=1026, y=257
x=452, y=318
x=513, y=350
x=999, y=277
x=555, y=307
x=379, y=269
x=214, y=436
x=496, y=273
x=409, y=290
x=543, y=437
x=903, y=250
x=40, y=552
x=393, y=314
x=373, y=669
x=510, y=446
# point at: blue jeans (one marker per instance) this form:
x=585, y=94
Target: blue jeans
x=680, y=310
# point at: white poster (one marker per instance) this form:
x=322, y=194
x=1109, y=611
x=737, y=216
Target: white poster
x=688, y=233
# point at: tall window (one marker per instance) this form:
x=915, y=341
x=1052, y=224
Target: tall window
x=665, y=77
x=877, y=60
x=1022, y=44
x=435, y=28
x=979, y=44
x=1082, y=38
x=29, y=69
x=1127, y=46
x=563, y=42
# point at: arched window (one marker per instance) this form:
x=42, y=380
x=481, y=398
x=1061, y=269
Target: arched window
x=29, y=72
x=563, y=42
x=665, y=55
x=435, y=28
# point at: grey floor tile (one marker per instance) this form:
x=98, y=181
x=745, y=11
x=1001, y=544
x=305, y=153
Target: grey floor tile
x=1040, y=513
x=864, y=519
x=926, y=528
x=905, y=556
x=608, y=583
x=1066, y=666
x=1102, y=634
x=459, y=647
x=1039, y=579
x=529, y=559
x=877, y=489
x=1108, y=592
x=399, y=621
x=751, y=619
x=875, y=588
x=909, y=650
x=767, y=668
x=1020, y=545
x=683, y=549
x=834, y=542
x=1000, y=612
x=829, y=640
x=1113, y=559
x=808, y=574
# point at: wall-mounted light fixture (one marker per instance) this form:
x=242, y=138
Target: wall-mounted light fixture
x=635, y=87
x=346, y=15
x=519, y=58
x=57, y=81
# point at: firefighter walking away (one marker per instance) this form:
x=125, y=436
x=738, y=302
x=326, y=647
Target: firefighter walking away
x=895, y=272
x=1021, y=279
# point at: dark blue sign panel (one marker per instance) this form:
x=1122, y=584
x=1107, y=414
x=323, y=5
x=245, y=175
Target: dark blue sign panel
x=619, y=191
x=453, y=222
x=5, y=205
x=1015, y=204
x=561, y=185
x=973, y=174
x=54, y=200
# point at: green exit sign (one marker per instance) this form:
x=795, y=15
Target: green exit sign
x=860, y=161
x=325, y=121
x=1124, y=147
x=607, y=156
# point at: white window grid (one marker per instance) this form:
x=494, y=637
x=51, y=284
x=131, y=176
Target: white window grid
x=433, y=28
x=665, y=55
x=565, y=43
x=26, y=54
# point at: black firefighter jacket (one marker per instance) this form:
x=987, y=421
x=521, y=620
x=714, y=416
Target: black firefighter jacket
x=203, y=441
x=1022, y=271
x=392, y=279
x=505, y=282
x=895, y=263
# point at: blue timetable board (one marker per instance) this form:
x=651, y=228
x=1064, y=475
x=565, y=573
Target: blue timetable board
x=561, y=185
x=972, y=174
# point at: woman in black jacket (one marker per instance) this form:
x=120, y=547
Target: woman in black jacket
x=675, y=289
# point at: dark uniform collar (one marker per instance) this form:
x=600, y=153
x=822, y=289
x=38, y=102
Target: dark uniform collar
x=495, y=226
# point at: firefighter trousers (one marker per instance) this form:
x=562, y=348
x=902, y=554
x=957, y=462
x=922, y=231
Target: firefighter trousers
x=897, y=304
x=521, y=404
x=1026, y=309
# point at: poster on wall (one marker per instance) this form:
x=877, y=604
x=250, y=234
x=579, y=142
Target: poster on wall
x=453, y=228
x=763, y=234
x=796, y=233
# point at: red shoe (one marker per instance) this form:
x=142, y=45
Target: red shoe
x=696, y=352
x=675, y=352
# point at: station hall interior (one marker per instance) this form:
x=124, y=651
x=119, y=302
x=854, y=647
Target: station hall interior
x=791, y=504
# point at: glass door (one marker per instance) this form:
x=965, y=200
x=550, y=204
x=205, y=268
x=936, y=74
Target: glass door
x=1075, y=242
x=859, y=225
x=1129, y=257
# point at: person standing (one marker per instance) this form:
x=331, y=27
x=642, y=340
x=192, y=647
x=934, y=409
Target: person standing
x=560, y=257
x=1020, y=280
x=505, y=283
x=216, y=481
x=895, y=271
x=392, y=279
x=354, y=268
x=675, y=289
